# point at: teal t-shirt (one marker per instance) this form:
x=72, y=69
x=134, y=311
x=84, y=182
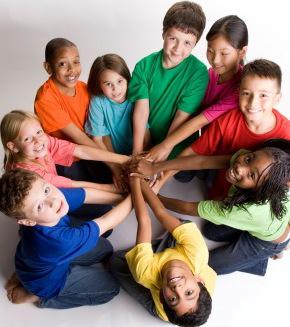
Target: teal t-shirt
x=107, y=117
x=168, y=90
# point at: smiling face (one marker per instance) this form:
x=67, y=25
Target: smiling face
x=258, y=96
x=44, y=205
x=224, y=58
x=65, y=69
x=31, y=142
x=180, y=287
x=177, y=46
x=113, y=85
x=249, y=170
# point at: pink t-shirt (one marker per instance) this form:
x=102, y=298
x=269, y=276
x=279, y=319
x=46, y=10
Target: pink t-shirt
x=219, y=98
x=58, y=152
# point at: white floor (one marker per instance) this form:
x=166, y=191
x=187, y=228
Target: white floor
x=240, y=299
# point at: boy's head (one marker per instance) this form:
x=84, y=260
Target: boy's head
x=260, y=89
x=185, y=299
x=31, y=200
x=183, y=25
x=62, y=62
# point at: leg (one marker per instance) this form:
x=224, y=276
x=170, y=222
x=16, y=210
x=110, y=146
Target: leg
x=220, y=233
x=85, y=285
x=120, y=270
x=247, y=254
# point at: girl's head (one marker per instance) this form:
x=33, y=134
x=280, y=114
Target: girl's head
x=62, y=62
x=227, y=45
x=22, y=137
x=109, y=76
x=260, y=176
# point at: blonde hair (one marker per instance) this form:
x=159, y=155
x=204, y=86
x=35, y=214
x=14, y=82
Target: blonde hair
x=10, y=127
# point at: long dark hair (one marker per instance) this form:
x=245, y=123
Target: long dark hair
x=274, y=188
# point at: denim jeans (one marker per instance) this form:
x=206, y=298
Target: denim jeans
x=244, y=252
x=88, y=282
x=122, y=272
x=90, y=171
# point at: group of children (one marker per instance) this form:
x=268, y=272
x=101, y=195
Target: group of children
x=94, y=145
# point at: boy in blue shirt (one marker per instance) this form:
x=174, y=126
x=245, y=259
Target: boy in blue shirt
x=58, y=266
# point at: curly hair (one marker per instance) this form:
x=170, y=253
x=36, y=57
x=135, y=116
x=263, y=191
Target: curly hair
x=14, y=188
x=196, y=318
x=274, y=188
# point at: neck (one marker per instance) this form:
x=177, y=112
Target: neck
x=228, y=75
x=264, y=125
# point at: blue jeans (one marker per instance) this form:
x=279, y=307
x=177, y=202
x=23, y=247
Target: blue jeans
x=90, y=171
x=244, y=252
x=88, y=281
x=122, y=272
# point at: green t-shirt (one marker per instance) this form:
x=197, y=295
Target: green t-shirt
x=257, y=219
x=168, y=89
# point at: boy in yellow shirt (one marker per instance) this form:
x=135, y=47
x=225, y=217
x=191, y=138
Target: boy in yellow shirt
x=175, y=283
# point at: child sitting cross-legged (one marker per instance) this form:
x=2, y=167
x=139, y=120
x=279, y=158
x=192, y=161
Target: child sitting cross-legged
x=57, y=265
x=170, y=278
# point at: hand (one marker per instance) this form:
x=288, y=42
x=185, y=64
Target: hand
x=119, y=179
x=156, y=184
x=141, y=168
x=159, y=152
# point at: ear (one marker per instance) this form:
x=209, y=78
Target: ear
x=12, y=147
x=243, y=52
x=26, y=222
x=199, y=279
x=47, y=67
x=278, y=98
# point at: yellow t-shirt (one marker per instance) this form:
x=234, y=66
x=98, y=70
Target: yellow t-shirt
x=146, y=266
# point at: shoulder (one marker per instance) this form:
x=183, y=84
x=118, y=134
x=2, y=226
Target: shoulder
x=149, y=60
x=196, y=64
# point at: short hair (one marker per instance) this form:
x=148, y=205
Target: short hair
x=187, y=17
x=196, y=318
x=14, y=188
x=233, y=28
x=109, y=61
x=55, y=45
x=263, y=68
x=10, y=127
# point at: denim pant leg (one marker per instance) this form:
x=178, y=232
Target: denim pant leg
x=88, y=282
x=121, y=271
x=220, y=233
x=248, y=254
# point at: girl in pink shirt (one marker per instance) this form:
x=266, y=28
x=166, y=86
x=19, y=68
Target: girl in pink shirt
x=227, y=45
x=27, y=146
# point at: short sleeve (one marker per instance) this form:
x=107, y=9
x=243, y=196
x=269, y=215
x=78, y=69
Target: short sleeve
x=75, y=197
x=95, y=124
x=138, y=86
x=194, y=92
x=140, y=260
x=61, y=151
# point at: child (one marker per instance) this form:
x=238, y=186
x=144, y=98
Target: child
x=58, y=266
x=255, y=122
x=61, y=104
x=255, y=215
x=168, y=86
x=178, y=277
x=227, y=46
x=109, y=120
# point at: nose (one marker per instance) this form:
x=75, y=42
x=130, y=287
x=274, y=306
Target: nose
x=177, y=46
x=241, y=170
x=253, y=101
x=216, y=59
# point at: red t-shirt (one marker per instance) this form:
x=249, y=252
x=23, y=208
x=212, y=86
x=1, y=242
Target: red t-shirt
x=230, y=133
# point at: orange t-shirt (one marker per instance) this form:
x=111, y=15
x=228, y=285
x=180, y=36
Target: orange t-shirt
x=56, y=110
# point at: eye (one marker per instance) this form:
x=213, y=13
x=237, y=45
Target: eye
x=28, y=139
x=171, y=38
x=189, y=292
x=247, y=159
x=62, y=64
x=108, y=84
x=120, y=81
x=245, y=93
x=187, y=43
x=46, y=190
x=263, y=95
x=224, y=54
x=171, y=299
x=77, y=62
x=39, y=132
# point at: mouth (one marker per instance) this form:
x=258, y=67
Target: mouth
x=40, y=148
x=232, y=176
x=71, y=78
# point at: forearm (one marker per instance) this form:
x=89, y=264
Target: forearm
x=140, y=119
x=185, y=130
x=77, y=136
x=180, y=206
x=95, y=196
x=168, y=221
x=102, y=187
x=144, y=232
x=115, y=216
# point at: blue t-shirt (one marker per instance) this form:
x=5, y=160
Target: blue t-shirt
x=107, y=117
x=44, y=253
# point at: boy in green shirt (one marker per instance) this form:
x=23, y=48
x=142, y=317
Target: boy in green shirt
x=168, y=86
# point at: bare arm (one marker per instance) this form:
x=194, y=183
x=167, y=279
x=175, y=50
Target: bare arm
x=95, y=196
x=140, y=118
x=115, y=216
x=101, y=187
x=180, y=206
x=161, y=151
x=144, y=230
x=168, y=221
